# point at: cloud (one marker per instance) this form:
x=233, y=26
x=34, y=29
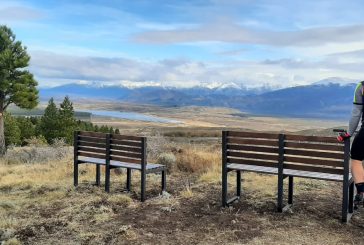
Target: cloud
x=55, y=69
x=229, y=32
x=19, y=13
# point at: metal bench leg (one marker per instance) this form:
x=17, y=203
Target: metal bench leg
x=98, y=174
x=345, y=203
x=224, y=188
x=107, y=178
x=164, y=180
x=290, y=190
x=280, y=194
x=351, y=198
x=143, y=184
x=238, y=183
x=75, y=174
x=128, y=179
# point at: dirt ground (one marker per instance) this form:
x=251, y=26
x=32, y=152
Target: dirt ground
x=52, y=213
x=39, y=205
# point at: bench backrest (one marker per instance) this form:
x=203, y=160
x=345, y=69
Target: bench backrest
x=248, y=148
x=90, y=144
x=114, y=147
x=314, y=154
x=130, y=149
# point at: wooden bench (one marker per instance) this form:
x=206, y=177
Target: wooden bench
x=287, y=156
x=115, y=151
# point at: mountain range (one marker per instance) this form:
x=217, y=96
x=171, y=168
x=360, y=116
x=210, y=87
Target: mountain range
x=329, y=98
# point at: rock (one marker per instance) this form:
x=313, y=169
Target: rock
x=165, y=195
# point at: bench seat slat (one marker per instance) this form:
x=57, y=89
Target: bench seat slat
x=252, y=168
x=321, y=139
x=255, y=155
x=252, y=162
x=125, y=148
x=252, y=142
x=92, y=139
x=93, y=155
x=314, y=161
x=126, y=137
x=314, y=146
x=91, y=149
x=126, y=154
x=314, y=175
x=92, y=134
x=125, y=159
x=313, y=169
x=253, y=148
x=255, y=135
x=96, y=145
x=334, y=155
x=119, y=164
x=126, y=143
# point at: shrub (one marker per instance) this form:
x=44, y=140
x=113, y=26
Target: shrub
x=36, y=141
x=197, y=161
x=167, y=159
x=32, y=154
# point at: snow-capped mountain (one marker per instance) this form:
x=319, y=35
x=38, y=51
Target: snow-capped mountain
x=329, y=98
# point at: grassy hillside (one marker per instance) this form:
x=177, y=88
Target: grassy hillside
x=39, y=205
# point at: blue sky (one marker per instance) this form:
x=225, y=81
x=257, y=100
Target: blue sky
x=190, y=42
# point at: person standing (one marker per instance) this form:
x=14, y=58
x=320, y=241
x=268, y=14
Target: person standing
x=357, y=148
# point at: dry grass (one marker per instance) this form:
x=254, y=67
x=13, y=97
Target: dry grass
x=39, y=205
x=198, y=159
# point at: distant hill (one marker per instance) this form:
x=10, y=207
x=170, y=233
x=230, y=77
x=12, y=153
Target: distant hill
x=324, y=99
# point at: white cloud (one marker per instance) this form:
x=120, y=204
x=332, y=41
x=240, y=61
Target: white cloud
x=232, y=33
x=50, y=68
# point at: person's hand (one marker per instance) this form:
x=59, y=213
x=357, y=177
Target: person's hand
x=341, y=137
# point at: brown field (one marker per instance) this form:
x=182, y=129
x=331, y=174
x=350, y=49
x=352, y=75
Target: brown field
x=39, y=205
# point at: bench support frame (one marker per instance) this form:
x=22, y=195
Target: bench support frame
x=108, y=166
x=347, y=190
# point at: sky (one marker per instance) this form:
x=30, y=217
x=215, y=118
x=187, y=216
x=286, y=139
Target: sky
x=189, y=42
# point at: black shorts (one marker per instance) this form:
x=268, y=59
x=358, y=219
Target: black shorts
x=357, y=148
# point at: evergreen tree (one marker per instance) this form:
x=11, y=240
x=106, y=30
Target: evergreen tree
x=67, y=120
x=17, y=85
x=117, y=131
x=12, y=132
x=50, y=123
x=27, y=128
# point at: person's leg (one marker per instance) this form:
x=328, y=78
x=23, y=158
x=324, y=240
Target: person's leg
x=357, y=171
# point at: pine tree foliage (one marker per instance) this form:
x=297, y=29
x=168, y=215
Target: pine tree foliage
x=17, y=85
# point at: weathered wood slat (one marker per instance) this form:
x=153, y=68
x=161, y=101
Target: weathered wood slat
x=87, y=154
x=255, y=135
x=124, y=159
x=125, y=148
x=90, y=149
x=126, y=143
x=256, y=156
x=252, y=162
x=334, y=155
x=92, y=134
x=96, y=145
x=126, y=137
x=252, y=142
x=314, y=146
x=313, y=169
x=253, y=148
x=91, y=139
x=313, y=175
x=311, y=138
x=126, y=154
x=313, y=161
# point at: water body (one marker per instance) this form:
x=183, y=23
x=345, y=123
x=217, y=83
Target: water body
x=131, y=116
